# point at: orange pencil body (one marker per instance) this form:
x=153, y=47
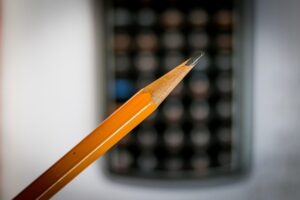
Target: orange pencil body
x=108, y=133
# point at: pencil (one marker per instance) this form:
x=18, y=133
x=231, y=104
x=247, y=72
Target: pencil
x=107, y=134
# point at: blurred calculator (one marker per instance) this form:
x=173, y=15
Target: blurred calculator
x=200, y=131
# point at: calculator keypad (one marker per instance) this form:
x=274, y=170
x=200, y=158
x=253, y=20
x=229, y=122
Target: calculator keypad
x=191, y=134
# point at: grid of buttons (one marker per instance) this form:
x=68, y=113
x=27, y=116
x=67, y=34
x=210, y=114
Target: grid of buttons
x=190, y=135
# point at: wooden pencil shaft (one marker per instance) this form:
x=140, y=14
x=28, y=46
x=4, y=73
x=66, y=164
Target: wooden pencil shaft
x=90, y=148
x=108, y=133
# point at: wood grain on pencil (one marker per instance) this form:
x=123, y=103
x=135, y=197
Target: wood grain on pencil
x=107, y=134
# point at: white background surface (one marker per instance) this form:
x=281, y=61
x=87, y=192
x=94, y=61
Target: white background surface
x=49, y=102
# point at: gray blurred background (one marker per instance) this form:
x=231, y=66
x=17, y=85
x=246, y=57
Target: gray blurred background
x=47, y=42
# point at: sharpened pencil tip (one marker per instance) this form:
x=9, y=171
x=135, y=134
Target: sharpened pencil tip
x=194, y=59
